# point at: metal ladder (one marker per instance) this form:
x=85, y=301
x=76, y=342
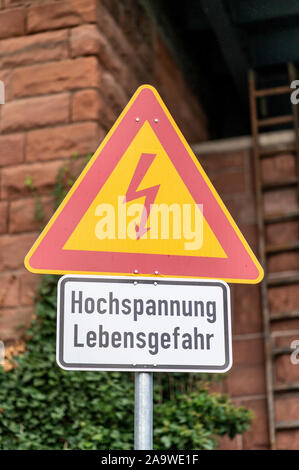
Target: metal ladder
x=265, y=250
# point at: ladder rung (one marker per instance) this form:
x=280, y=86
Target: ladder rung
x=283, y=278
x=291, y=387
x=282, y=351
x=286, y=217
x=273, y=249
x=275, y=120
x=280, y=90
x=285, y=425
x=274, y=152
x=280, y=184
x=278, y=316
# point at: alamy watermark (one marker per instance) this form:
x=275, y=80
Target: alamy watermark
x=2, y=92
x=2, y=353
x=155, y=222
x=295, y=93
x=295, y=354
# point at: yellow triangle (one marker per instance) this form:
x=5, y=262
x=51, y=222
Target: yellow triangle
x=102, y=227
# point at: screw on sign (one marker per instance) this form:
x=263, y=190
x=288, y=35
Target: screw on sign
x=144, y=237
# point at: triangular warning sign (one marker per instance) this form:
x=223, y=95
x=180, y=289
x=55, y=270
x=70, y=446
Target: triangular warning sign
x=144, y=205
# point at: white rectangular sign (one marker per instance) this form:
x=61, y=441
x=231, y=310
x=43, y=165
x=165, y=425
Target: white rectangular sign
x=143, y=324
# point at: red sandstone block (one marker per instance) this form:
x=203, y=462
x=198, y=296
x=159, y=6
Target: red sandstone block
x=283, y=299
x=43, y=176
x=35, y=112
x=245, y=380
x=225, y=443
x=12, y=3
x=229, y=182
x=282, y=233
x=278, y=168
x=246, y=207
x=14, y=322
x=277, y=202
x=63, y=142
x=146, y=72
x=89, y=105
x=283, y=262
x=23, y=216
x=132, y=18
x=285, y=325
x=13, y=249
x=9, y=290
x=139, y=28
x=31, y=49
x=116, y=37
x=287, y=408
x=55, y=15
x=12, y=22
x=88, y=40
x=287, y=440
x=246, y=376
x=257, y=437
x=3, y=216
x=11, y=149
x=222, y=160
x=115, y=96
x=247, y=316
x=29, y=283
x=86, y=105
x=56, y=76
x=249, y=352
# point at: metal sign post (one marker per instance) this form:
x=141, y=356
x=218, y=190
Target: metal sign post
x=143, y=419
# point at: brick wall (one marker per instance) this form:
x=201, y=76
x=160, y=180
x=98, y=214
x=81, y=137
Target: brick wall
x=231, y=172
x=69, y=67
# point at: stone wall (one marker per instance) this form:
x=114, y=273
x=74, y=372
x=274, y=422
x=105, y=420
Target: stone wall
x=69, y=67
